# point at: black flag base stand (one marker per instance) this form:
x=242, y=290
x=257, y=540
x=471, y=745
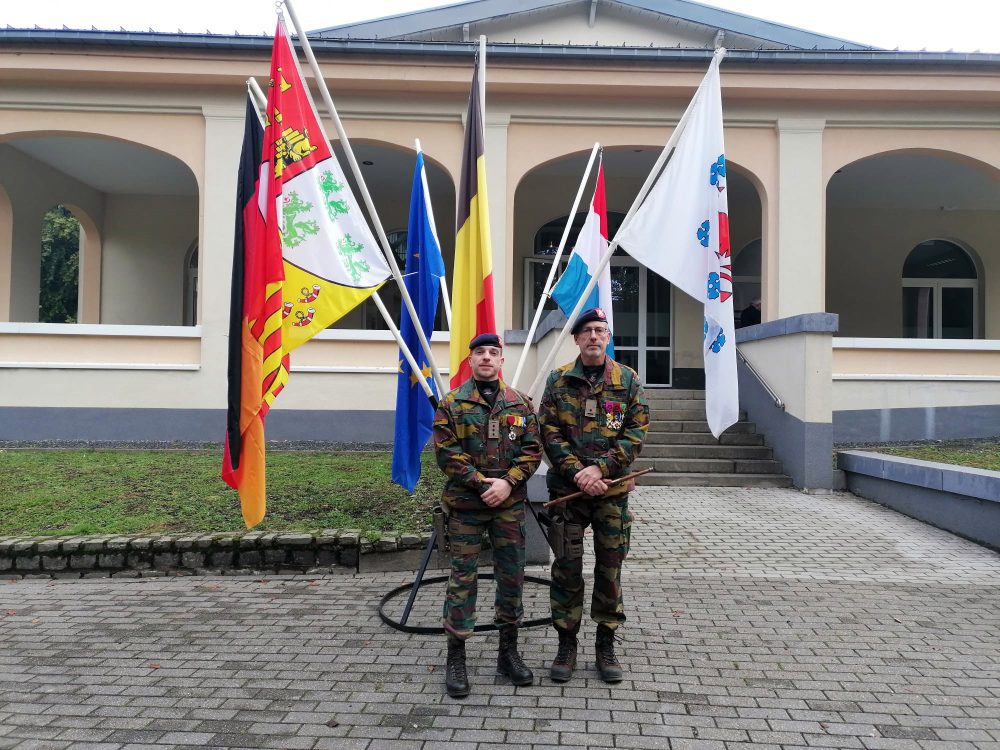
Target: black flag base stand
x=401, y=624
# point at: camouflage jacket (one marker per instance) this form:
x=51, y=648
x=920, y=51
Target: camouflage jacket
x=467, y=454
x=610, y=439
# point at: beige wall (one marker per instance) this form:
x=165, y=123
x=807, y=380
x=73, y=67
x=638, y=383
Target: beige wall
x=146, y=242
x=866, y=252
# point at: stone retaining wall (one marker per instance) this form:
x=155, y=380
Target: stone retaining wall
x=327, y=551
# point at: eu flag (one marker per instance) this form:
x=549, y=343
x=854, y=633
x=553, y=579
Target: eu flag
x=424, y=269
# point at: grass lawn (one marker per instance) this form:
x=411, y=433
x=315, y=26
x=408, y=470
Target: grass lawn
x=980, y=455
x=149, y=491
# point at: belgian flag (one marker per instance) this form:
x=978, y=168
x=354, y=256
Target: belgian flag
x=472, y=288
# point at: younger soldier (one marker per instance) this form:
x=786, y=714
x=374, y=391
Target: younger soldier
x=594, y=419
x=487, y=443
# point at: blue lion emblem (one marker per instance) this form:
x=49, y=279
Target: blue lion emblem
x=718, y=170
x=714, y=285
x=703, y=233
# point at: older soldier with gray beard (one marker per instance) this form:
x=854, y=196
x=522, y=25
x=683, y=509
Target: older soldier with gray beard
x=594, y=419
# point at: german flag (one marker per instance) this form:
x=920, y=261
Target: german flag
x=304, y=257
x=472, y=289
x=258, y=365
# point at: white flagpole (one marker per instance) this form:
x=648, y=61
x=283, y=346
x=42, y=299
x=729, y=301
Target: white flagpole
x=261, y=101
x=606, y=258
x=430, y=217
x=373, y=215
x=547, y=289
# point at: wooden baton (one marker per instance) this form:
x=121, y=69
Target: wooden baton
x=612, y=483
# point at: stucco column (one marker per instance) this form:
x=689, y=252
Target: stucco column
x=501, y=235
x=223, y=140
x=801, y=266
x=6, y=254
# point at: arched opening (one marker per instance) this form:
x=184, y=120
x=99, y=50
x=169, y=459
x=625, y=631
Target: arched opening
x=656, y=331
x=137, y=209
x=191, y=286
x=388, y=173
x=747, y=284
x=940, y=292
x=892, y=215
x=59, y=272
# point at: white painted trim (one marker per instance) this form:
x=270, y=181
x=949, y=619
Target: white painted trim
x=97, y=366
x=974, y=345
x=899, y=376
x=100, y=329
x=350, y=370
x=357, y=334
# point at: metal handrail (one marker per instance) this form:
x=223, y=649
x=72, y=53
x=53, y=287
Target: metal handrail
x=770, y=391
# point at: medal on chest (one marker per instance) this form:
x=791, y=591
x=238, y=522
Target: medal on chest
x=614, y=415
x=512, y=422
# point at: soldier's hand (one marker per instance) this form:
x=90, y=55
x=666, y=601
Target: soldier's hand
x=591, y=481
x=499, y=491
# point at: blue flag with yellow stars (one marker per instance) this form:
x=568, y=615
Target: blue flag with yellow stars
x=424, y=269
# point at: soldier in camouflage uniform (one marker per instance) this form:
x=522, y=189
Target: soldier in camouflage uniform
x=594, y=419
x=488, y=444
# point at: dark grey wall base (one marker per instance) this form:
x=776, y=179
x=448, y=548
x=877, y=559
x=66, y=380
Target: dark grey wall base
x=805, y=449
x=35, y=424
x=960, y=500
x=930, y=423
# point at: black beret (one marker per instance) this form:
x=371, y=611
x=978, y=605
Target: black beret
x=588, y=316
x=485, y=339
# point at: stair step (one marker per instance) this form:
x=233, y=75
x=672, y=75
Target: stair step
x=677, y=403
x=658, y=437
x=667, y=425
x=709, y=465
x=681, y=415
x=653, y=394
x=734, y=452
x=714, y=480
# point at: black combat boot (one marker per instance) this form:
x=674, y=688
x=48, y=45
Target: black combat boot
x=456, y=679
x=509, y=662
x=607, y=664
x=565, y=661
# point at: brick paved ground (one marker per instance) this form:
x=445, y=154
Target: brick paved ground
x=755, y=616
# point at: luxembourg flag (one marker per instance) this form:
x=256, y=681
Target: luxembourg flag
x=681, y=232
x=591, y=244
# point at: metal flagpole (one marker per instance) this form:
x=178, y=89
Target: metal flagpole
x=547, y=289
x=373, y=215
x=261, y=101
x=430, y=217
x=654, y=173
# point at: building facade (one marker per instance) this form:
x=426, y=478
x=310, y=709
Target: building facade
x=864, y=206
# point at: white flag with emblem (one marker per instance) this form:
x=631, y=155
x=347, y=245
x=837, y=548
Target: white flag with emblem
x=681, y=231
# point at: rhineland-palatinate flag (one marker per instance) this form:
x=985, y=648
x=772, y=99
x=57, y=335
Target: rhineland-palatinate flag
x=258, y=363
x=308, y=259
x=591, y=245
x=681, y=231
x=332, y=261
x=472, y=287
x=424, y=271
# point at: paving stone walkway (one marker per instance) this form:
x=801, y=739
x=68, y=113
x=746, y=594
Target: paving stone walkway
x=757, y=617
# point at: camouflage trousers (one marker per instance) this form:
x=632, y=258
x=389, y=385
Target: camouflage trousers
x=465, y=531
x=612, y=526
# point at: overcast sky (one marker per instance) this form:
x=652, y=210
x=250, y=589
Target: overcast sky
x=961, y=25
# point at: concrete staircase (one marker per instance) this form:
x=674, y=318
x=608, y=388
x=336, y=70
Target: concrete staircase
x=683, y=453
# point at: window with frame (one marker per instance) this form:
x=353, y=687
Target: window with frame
x=940, y=292
x=370, y=318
